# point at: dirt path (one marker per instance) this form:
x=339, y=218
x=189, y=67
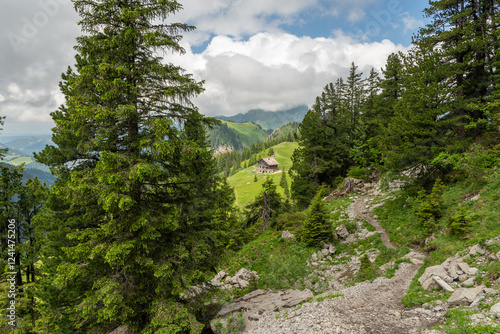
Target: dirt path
x=366, y=308
x=358, y=209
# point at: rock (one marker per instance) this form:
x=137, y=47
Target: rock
x=314, y=257
x=332, y=250
x=442, y=283
x=122, y=330
x=495, y=309
x=469, y=282
x=287, y=235
x=342, y=231
x=464, y=267
x=242, y=278
x=448, y=279
x=463, y=278
x=415, y=258
x=426, y=279
x=325, y=252
x=255, y=304
x=477, y=250
x=464, y=296
x=489, y=291
x=475, y=198
x=472, y=271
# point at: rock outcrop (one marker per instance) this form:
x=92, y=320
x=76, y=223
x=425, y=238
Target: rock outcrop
x=259, y=302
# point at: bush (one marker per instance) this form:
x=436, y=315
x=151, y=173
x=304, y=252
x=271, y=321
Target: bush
x=429, y=211
x=367, y=270
x=473, y=164
x=234, y=324
x=459, y=224
x=357, y=172
x=317, y=227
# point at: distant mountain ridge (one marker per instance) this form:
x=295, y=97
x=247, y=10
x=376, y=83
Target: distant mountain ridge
x=28, y=145
x=269, y=119
x=234, y=136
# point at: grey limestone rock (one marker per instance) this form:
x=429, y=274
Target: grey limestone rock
x=259, y=302
x=342, y=231
x=464, y=296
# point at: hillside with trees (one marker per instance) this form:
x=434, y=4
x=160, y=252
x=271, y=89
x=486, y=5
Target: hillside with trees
x=389, y=174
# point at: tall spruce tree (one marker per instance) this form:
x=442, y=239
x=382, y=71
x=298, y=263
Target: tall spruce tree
x=129, y=225
x=464, y=32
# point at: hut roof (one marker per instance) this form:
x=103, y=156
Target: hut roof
x=270, y=161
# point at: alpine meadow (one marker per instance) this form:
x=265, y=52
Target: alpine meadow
x=163, y=219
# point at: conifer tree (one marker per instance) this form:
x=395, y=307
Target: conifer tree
x=129, y=226
x=284, y=183
x=316, y=227
x=323, y=151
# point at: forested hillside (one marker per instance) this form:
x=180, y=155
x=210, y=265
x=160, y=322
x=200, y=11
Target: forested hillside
x=269, y=120
x=235, y=136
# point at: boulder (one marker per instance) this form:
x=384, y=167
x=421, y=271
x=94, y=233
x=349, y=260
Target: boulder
x=258, y=302
x=469, y=282
x=495, y=309
x=442, y=283
x=464, y=296
x=287, y=235
x=342, y=231
x=426, y=280
x=242, y=278
x=472, y=271
x=477, y=250
x=325, y=252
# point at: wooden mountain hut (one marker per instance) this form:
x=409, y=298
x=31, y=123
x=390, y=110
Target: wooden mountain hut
x=267, y=166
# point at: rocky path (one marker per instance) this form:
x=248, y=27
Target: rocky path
x=367, y=308
x=358, y=209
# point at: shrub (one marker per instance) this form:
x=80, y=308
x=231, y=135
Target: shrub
x=234, y=324
x=357, y=172
x=367, y=270
x=316, y=227
x=429, y=211
x=459, y=224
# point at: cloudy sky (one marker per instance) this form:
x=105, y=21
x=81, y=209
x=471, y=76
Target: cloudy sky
x=268, y=54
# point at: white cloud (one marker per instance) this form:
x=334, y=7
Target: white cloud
x=410, y=23
x=276, y=70
x=356, y=15
x=241, y=17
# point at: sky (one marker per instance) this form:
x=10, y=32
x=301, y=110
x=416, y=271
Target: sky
x=252, y=54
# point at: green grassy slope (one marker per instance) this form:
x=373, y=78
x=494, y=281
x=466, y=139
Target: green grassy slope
x=243, y=182
x=248, y=132
x=236, y=135
x=20, y=160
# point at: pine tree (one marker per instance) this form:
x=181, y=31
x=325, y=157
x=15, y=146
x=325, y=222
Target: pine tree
x=464, y=31
x=130, y=225
x=316, y=227
x=284, y=183
x=323, y=151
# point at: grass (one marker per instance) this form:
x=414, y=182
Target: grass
x=243, y=181
x=21, y=160
x=458, y=322
x=281, y=264
x=398, y=218
x=248, y=133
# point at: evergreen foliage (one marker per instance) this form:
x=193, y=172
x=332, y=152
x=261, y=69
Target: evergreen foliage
x=459, y=224
x=316, y=227
x=429, y=211
x=136, y=215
